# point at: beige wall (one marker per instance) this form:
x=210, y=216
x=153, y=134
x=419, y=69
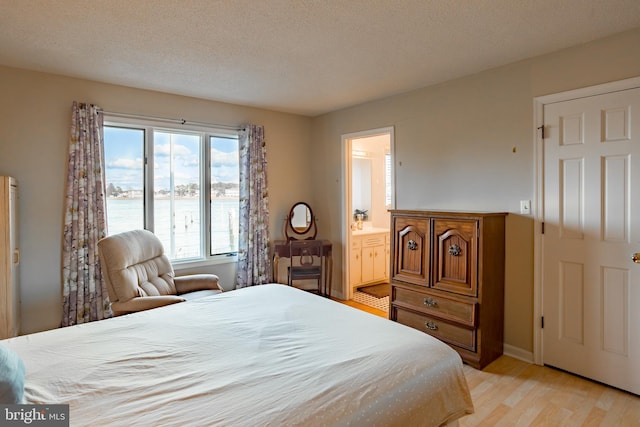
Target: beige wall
x=35, y=111
x=454, y=149
x=468, y=145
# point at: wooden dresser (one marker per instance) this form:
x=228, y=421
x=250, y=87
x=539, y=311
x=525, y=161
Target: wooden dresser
x=447, y=279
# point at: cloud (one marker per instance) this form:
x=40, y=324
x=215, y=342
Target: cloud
x=191, y=162
x=125, y=163
x=164, y=150
x=221, y=158
x=126, y=179
x=127, y=172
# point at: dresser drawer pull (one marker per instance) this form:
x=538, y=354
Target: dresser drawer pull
x=430, y=325
x=412, y=245
x=430, y=302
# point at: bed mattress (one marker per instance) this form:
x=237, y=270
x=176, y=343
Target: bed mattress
x=267, y=355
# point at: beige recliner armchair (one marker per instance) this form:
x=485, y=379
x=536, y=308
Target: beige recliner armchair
x=139, y=275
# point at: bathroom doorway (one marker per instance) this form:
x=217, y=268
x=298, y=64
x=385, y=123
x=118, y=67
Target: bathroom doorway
x=367, y=197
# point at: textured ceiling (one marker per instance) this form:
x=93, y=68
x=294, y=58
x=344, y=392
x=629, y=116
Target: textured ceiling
x=299, y=56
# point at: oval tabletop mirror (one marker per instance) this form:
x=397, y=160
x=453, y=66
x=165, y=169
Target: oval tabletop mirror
x=301, y=218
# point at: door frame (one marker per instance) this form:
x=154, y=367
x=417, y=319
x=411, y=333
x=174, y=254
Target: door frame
x=346, y=194
x=538, y=192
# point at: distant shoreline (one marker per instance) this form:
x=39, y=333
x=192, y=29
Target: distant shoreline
x=167, y=198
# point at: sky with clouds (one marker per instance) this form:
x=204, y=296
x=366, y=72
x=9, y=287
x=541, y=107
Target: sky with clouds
x=124, y=158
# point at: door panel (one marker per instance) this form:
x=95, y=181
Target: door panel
x=411, y=257
x=367, y=264
x=379, y=263
x=454, y=256
x=592, y=226
x=355, y=263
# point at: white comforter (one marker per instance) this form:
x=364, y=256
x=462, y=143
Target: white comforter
x=268, y=355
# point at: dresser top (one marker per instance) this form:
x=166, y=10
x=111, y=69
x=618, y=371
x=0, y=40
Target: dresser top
x=445, y=213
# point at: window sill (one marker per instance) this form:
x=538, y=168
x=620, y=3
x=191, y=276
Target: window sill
x=217, y=260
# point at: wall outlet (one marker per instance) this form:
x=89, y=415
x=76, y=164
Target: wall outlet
x=525, y=207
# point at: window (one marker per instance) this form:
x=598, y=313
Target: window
x=225, y=193
x=187, y=192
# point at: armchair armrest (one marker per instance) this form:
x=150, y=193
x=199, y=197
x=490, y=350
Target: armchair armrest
x=196, y=282
x=144, y=303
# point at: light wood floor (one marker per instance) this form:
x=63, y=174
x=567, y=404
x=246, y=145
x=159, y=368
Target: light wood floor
x=510, y=392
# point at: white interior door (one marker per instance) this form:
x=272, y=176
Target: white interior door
x=591, y=285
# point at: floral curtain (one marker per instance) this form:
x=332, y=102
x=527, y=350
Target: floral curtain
x=85, y=296
x=254, y=263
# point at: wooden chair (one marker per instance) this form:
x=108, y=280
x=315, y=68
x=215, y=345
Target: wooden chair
x=306, y=262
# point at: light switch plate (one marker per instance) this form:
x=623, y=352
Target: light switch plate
x=525, y=207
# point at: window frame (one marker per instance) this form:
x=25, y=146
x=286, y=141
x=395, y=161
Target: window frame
x=204, y=132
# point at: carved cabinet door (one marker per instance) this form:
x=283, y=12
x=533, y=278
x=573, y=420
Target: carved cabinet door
x=411, y=250
x=455, y=254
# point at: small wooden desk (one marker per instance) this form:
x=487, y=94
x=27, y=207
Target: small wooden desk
x=281, y=250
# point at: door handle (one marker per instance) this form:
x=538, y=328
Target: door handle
x=636, y=257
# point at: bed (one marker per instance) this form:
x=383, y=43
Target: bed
x=268, y=355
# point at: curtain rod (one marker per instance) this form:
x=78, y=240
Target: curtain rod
x=178, y=121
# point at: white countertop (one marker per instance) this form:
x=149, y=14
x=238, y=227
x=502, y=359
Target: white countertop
x=369, y=230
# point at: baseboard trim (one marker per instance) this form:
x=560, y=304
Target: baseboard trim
x=517, y=353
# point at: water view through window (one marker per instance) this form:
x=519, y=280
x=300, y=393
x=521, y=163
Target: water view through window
x=179, y=205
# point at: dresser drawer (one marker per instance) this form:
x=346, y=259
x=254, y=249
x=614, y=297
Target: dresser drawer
x=373, y=240
x=447, y=332
x=457, y=311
